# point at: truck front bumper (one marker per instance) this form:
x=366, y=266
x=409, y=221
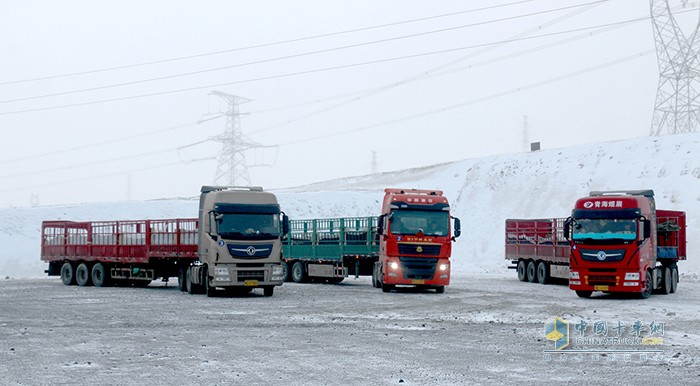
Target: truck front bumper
x=231, y=275
x=615, y=281
x=398, y=272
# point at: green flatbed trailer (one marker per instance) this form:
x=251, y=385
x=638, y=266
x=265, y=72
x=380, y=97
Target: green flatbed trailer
x=330, y=249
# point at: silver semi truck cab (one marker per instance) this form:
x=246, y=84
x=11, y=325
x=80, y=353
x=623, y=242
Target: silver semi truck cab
x=239, y=241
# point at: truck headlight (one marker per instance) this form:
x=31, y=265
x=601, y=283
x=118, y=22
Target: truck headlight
x=393, y=265
x=277, y=270
x=574, y=275
x=444, y=267
x=632, y=276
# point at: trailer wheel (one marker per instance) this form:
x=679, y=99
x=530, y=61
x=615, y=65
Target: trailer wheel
x=674, y=279
x=298, y=274
x=646, y=291
x=522, y=270
x=82, y=275
x=666, y=280
x=268, y=291
x=584, y=294
x=440, y=289
x=100, y=277
x=531, y=272
x=543, y=272
x=67, y=274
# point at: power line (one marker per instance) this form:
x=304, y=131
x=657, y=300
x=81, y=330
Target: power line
x=97, y=144
x=265, y=44
x=473, y=101
x=306, y=72
x=256, y=62
x=385, y=123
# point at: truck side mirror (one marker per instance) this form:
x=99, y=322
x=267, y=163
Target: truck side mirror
x=285, y=224
x=380, y=225
x=458, y=227
x=211, y=229
x=567, y=227
x=647, y=228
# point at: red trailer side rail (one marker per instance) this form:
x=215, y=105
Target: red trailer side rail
x=154, y=247
x=537, y=248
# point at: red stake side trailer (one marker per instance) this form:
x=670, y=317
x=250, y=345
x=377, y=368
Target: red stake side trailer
x=93, y=253
x=538, y=249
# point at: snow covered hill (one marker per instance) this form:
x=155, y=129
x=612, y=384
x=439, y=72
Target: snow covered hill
x=483, y=191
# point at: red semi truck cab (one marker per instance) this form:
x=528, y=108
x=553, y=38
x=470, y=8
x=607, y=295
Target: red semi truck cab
x=620, y=242
x=415, y=240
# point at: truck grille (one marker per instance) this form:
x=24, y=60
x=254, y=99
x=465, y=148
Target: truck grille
x=251, y=275
x=418, y=267
x=419, y=249
x=250, y=251
x=602, y=255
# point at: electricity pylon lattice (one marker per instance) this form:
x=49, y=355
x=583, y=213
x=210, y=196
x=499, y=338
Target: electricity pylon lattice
x=232, y=168
x=677, y=106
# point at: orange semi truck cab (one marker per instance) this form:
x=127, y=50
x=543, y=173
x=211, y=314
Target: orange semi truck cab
x=620, y=242
x=415, y=240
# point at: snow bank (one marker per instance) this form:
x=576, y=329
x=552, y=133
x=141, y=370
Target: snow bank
x=483, y=191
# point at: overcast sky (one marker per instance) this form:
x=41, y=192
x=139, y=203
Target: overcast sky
x=100, y=101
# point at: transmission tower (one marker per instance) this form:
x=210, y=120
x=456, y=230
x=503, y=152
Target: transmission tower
x=677, y=107
x=232, y=168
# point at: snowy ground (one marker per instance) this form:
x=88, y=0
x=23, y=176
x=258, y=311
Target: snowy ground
x=485, y=329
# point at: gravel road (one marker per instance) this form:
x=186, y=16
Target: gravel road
x=484, y=329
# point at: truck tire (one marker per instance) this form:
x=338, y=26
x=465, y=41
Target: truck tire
x=543, y=273
x=674, y=279
x=268, y=290
x=208, y=289
x=531, y=272
x=584, y=294
x=68, y=274
x=298, y=274
x=285, y=272
x=440, y=289
x=82, y=275
x=647, y=286
x=100, y=275
x=666, y=280
x=182, y=279
x=522, y=270
x=188, y=282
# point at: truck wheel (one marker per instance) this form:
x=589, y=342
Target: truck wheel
x=522, y=270
x=666, y=281
x=82, y=275
x=188, y=281
x=100, y=277
x=543, y=272
x=298, y=274
x=440, y=289
x=268, y=291
x=182, y=279
x=386, y=287
x=674, y=279
x=646, y=290
x=208, y=290
x=531, y=272
x=285, y=272
x=584, y=294
x=67, y=274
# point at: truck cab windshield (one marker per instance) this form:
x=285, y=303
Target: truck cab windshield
x=411, y=222
x=605, y=229
x=252, y=226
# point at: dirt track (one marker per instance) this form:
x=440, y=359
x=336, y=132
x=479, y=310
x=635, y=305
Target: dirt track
x=484, y=329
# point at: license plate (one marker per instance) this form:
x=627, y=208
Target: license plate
x=601, y=288
x=418, y=281
x=250, y=283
